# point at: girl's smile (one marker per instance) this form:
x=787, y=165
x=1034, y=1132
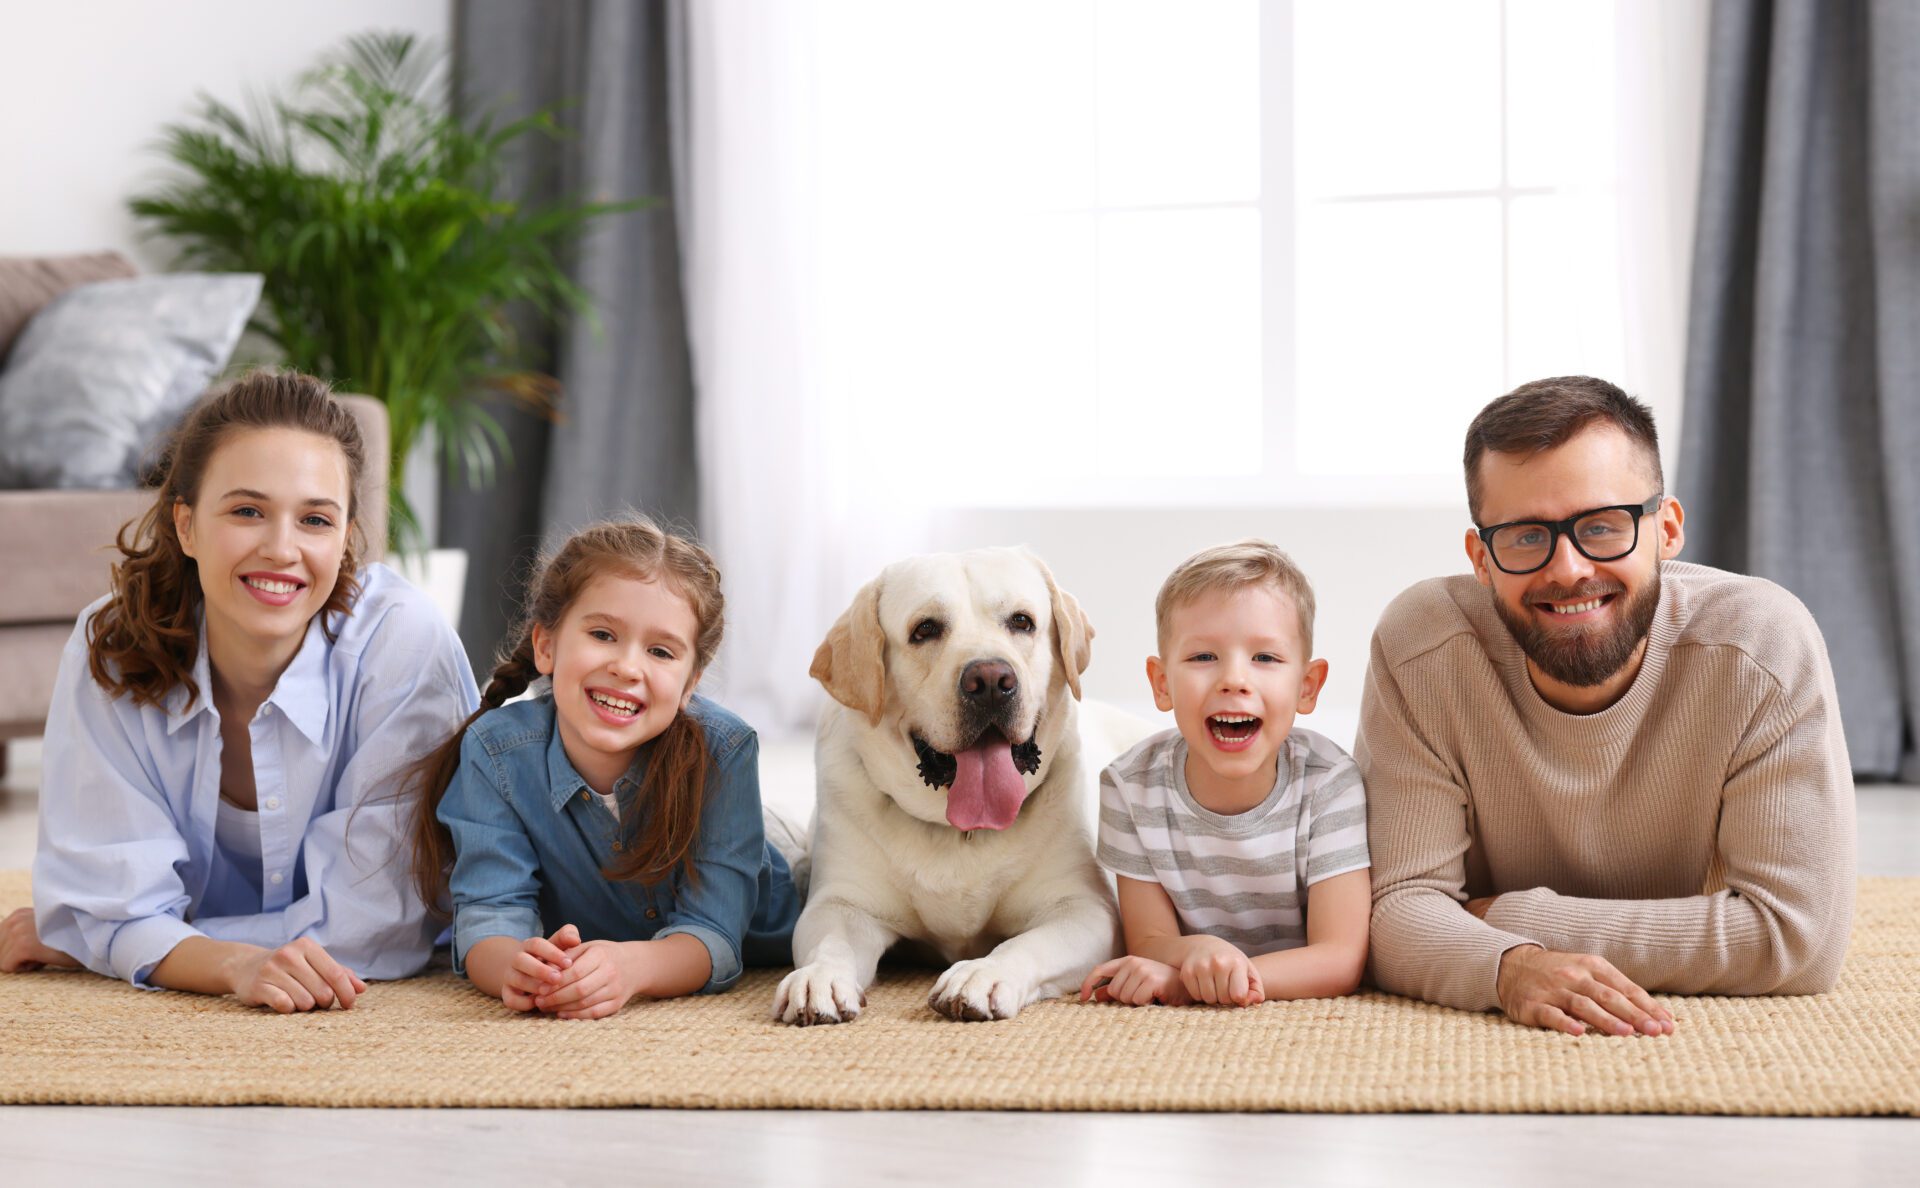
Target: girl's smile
x=622, y=663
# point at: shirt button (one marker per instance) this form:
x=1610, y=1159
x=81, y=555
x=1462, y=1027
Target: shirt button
x=585, y=796
x=273, y=802
x=276, y=878
x=653, y=913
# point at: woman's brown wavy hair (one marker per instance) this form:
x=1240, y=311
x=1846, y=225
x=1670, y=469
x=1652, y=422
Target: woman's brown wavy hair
x=143, y=640
x=664, y=818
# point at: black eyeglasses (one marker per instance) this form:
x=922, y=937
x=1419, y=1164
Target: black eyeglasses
x=1601, y=534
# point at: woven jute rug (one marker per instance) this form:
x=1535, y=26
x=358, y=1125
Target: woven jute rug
x=435, y=1041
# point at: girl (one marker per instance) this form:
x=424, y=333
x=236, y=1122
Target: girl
x=216, y=810
x=606, y=838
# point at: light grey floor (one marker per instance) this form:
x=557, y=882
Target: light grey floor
x=67, y=1145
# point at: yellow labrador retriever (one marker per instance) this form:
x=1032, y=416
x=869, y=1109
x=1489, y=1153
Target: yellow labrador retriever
x=950, y=784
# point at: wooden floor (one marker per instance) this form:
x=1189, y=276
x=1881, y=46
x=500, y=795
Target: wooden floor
x=69, y=1145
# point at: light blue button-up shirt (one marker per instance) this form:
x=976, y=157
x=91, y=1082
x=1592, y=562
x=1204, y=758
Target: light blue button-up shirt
x=128, y=866
x=530, y=840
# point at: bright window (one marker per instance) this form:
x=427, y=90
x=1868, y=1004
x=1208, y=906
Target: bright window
x=1126, y=252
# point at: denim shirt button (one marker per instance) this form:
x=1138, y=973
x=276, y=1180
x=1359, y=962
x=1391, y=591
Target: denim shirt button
x=653, y=913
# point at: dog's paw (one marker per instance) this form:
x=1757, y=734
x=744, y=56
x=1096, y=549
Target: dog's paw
x=818, y=993
x=978, y=990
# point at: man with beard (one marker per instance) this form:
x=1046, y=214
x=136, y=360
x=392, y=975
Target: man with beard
x=1594, y=771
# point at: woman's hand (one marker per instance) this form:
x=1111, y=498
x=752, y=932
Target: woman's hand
x=603, y=976
x=538, y=967
x=20, y=947
x=1135, y=981
x=299, y=976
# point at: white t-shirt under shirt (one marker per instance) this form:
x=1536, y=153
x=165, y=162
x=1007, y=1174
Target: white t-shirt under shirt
x=1240, y=877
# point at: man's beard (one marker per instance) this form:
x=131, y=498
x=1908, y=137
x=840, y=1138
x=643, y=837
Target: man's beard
x=1581, y=657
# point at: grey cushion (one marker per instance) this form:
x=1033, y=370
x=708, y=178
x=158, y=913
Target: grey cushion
x=107, y=368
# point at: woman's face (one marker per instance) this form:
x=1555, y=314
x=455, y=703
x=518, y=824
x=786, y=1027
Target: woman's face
x=268, y=529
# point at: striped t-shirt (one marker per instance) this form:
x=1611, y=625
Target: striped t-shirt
x=1240, y=877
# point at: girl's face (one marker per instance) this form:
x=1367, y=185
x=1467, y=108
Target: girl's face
x=622, y=664
x=268, y=529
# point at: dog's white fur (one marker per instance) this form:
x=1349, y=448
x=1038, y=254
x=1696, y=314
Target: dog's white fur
x=1017, y=914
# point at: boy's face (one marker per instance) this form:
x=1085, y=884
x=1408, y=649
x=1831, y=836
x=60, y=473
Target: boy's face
x=1234, y=675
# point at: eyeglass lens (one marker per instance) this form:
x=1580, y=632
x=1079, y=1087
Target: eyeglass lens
x=1603, y=536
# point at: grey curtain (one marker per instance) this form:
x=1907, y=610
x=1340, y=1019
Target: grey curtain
x=1800, y=443
x=624, y=437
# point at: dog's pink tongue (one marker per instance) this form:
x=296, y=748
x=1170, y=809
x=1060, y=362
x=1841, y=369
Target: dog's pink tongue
x=987, y=789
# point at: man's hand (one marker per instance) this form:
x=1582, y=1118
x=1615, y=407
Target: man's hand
x=1217, y=971
x=1573, y=991
x=20, y=947
x=1135, y=981
x=1477, y=908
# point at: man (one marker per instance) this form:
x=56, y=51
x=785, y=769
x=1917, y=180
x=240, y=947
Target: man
x=1594, y=771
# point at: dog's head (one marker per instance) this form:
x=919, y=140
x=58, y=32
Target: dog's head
x=962, y=664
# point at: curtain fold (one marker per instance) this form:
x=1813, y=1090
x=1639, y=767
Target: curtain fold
x=624, y=436
x=1801, y=434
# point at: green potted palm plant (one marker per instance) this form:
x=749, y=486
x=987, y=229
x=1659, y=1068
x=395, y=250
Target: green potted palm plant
x=390, y=247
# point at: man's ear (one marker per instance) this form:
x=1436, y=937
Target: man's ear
x=1671, y=523
x=542, y=650
x=1478, y=559
x=1072, y=634
x=852, y=661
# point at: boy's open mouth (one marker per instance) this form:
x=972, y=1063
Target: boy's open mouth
x=1233, y=728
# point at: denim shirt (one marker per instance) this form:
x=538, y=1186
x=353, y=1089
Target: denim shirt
x=530, y=841
x=128, y=863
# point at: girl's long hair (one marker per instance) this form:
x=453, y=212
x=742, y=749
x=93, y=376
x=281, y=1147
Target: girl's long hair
x=142, y=642
x=664, y=818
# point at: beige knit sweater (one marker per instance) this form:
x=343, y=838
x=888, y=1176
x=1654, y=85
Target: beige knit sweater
x=1698, y=833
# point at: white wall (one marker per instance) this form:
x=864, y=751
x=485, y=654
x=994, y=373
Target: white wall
x=1113, y=561
x=86, y=86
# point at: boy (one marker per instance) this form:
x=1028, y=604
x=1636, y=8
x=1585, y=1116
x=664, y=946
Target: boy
x=1238, y=842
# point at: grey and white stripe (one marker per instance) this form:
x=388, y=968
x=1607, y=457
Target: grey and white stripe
x=1241, y=877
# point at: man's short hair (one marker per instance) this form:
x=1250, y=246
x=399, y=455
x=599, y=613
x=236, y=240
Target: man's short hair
x=1548, y=412
x=1250, y=562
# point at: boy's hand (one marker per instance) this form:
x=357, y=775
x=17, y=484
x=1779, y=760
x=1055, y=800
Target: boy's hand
x=538, y=967
x=602, y=978
x=1216, y=971
x=1135, y=981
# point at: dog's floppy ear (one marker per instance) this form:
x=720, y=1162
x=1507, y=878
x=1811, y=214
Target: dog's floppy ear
x=1072, y=634
x=851, y=661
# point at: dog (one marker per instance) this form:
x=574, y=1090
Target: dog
x=950, y=789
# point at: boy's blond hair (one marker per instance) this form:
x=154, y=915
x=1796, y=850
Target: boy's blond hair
x=1250, y=562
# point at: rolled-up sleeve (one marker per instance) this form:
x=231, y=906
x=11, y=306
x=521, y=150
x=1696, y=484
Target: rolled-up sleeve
x=495, y=883
x=414, y=689
x=717, y=906
x=106, y=883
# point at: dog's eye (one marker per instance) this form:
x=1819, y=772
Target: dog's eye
x=1020, y=621
x=925, y=630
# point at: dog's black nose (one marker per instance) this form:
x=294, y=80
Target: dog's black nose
x=988, y=682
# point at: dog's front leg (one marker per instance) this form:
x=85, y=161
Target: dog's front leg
x=838, y=945
x=1047, y=959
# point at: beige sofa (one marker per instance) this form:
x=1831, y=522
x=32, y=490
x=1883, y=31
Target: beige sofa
x=56, y=546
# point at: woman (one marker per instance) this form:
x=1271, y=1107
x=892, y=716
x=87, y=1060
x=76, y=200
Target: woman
x=216, y=812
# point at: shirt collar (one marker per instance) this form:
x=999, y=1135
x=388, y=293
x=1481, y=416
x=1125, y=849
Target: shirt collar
x=564, y=782
x=300, y=693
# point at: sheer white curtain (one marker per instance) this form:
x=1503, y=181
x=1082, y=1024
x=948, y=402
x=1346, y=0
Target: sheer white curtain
x=796, y=517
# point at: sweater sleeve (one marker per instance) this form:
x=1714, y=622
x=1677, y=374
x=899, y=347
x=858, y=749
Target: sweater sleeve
x=1424, y=942
x=1781, y=923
